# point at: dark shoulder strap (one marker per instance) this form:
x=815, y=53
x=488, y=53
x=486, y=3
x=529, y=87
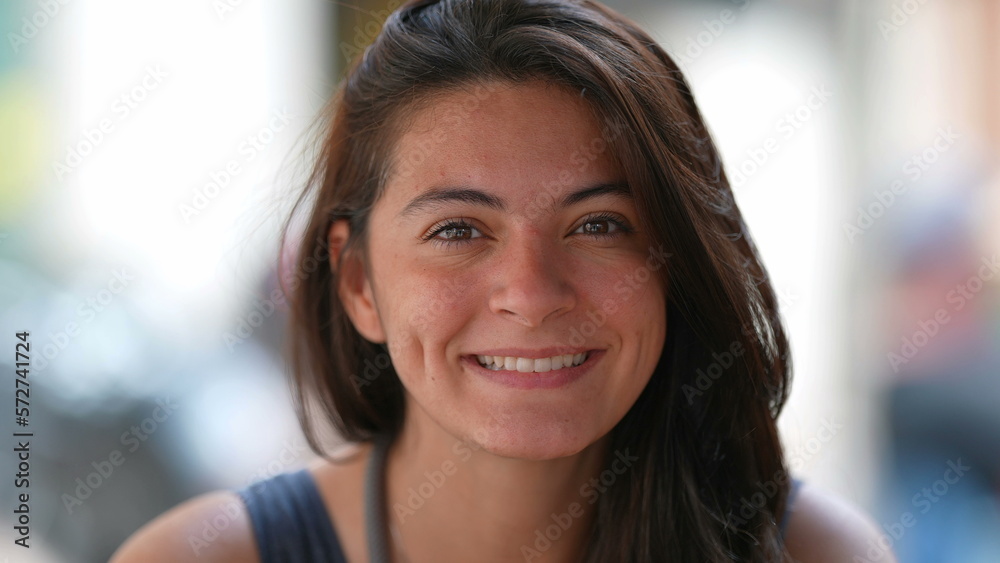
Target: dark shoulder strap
x=375, y=518
x=792, y=493
x=290, y=521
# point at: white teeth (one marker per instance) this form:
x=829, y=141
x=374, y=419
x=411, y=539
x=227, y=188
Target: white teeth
x=529, y=365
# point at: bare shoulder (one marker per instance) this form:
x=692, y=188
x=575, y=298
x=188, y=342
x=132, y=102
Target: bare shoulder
x=824, y=528
x=211, y=527
x=215, y=527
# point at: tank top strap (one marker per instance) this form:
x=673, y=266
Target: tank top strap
x=290, y=521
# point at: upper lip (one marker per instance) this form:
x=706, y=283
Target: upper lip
x=534, y=354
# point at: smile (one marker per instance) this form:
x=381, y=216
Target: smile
x=529, y=365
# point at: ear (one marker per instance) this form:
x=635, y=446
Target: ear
x=353, y=286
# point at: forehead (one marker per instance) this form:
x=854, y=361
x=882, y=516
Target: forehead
x=503, y=137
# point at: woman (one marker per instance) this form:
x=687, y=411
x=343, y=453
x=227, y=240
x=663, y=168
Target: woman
x=538, y=313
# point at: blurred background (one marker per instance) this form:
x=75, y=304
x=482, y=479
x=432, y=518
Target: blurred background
x=149, y=150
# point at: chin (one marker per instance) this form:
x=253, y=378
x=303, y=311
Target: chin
x=533, y=439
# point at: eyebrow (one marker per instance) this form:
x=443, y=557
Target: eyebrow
x=438, y=196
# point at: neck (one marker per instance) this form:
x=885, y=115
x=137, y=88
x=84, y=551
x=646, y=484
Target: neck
x=453, y=501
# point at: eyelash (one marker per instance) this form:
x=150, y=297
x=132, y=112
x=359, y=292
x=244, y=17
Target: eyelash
x=462, y=223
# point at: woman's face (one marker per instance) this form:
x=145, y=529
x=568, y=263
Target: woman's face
x=506, y=230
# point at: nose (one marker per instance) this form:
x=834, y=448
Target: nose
x=533, y=283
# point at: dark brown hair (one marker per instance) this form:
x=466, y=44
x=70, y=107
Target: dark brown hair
x=711, y=480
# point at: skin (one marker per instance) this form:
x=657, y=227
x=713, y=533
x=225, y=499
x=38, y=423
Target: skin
x=525, y=277
x=522, y=278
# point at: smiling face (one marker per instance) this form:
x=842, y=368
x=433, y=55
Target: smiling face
x=507, y=230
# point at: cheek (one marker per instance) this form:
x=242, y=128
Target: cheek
x=632, y=304
x=423, y=309
x=630, y=291
x=431, y=302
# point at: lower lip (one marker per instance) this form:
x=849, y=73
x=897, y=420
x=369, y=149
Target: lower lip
x=530, y=380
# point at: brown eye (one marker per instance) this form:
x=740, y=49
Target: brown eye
x=604, y=225
x=453, y=232
x=596, y=227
